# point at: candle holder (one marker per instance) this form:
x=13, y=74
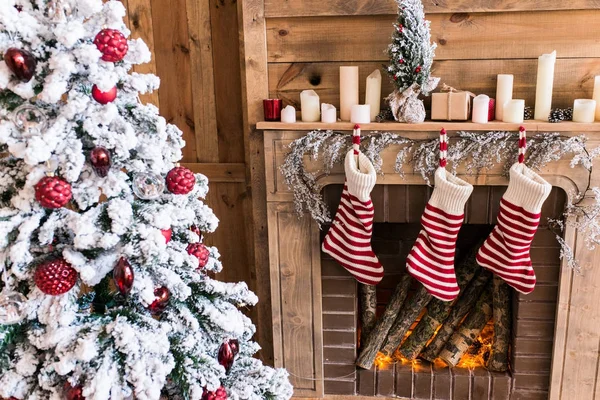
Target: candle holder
x=272, y=109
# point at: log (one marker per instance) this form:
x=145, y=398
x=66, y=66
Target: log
x=469, y=330
x=462, y=307
x=380, y=331
x=368, y=310
x=498, y=360
x=406, y=317
x=438, y=310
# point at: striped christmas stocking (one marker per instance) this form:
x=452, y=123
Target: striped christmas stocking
x=431, y=260
x=506, y=251
x=349, y=238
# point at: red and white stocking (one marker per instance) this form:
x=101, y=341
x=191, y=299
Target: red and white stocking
x=506, y=251
x=349, y=238
x=431, y=260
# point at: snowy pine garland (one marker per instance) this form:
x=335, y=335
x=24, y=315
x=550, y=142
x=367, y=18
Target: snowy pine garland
x=475, y=151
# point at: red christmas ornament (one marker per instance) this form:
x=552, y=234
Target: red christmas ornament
x=418, y=69
x=235, y=346
x=112, y=44
x=180, y=180
x=100, y=160
x=73, y=393
x=167, y=233
x=104, y=97
x=196, y=230
x=400, y=28
x=219, y=394
x=55, y=277
x=21, y=63
x=53, y=192
x=161, y=300
x=123, y=276
x=226, y=356
x=199, y=251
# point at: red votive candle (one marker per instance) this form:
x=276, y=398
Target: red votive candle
x=492, y=111
x=272, y=109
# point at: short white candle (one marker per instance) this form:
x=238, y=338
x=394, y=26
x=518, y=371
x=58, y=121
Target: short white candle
x=545, y=84
x=481, y=109
x=584, y=110
x=288, y=115
x=373, y=94
x=597, y=96
x=504, y=93
x=310, y=107
x=348, y=91
x=514, y=111
x=360, y=114
x=328, y=113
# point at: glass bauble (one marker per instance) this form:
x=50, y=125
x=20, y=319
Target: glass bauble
x=12, y=307
x=148, y=186
x=30, y=120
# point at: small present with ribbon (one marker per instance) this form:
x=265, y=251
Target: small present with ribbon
x=451, y=104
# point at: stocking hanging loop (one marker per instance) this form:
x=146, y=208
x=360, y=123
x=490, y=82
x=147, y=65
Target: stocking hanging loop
x=522, y=144
x=443, y=148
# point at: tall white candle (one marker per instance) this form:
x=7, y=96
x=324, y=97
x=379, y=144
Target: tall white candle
x=310, y=107
x=481, y=109
x=514, y=111
x=288, y=115
x=348, y=91
x=584, y=110
x=373, y=94
x=597, y=96
x=360, y=114
x=545, y=84
x=328, y=113
x=504, y=93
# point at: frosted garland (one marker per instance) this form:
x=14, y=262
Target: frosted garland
x=473, y=151
x=124, y=352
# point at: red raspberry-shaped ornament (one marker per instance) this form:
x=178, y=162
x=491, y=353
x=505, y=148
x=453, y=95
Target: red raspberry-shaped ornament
x=112, y=44
x=104, y=97
x=219, y=394
x=199, y=251
x=55, y=277
x=180, y=180
x=53, y=192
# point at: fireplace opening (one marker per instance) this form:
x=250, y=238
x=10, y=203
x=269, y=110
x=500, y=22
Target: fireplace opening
x=532, y=317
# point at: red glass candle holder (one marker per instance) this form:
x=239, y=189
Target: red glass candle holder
x=272, y=109
x=492, y=110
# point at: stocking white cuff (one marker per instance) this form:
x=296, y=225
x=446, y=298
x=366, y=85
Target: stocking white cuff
x=360, y=181
x=451, y=193
x=527, y=189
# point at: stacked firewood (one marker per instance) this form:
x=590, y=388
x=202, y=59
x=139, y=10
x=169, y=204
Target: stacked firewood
x=446, y=330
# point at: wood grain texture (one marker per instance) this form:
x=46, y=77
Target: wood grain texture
x=203, y=81
x=573, y=80
x=173, y=66
x=253, y=64
x=140, y=23
x=216, y=172
x=305, y=8
x=460, y=36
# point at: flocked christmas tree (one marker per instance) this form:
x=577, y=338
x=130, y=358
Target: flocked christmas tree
x=106, y=292
x=411, y=57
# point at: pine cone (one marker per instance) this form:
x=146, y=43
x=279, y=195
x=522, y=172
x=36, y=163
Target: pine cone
x=556, y=115
x=568, y=113
x=528, y=113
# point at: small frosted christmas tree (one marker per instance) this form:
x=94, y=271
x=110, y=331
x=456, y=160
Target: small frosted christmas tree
x=106, y=292
x=411, y=57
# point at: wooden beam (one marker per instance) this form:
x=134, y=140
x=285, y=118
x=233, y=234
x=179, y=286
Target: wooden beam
x=314, y=8
x=220, y=172
x=253, y=60
x=459, y=36
x=203, y=81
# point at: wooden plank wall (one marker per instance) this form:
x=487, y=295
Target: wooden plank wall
x=308, y=40
x=196, y=54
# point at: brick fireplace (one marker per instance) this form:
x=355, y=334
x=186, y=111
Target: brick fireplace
x=555, y=348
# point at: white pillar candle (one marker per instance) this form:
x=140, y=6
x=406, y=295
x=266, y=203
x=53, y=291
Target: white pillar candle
x=360, y=114
x=348, y=91
x=288, y=115
x=597, y=96
x=584, y=110
x=328, y=113
x=310, y=107
x=373, y=94
x=545, y=84
x=514, y=111
x=481, y=109
x=504, y=93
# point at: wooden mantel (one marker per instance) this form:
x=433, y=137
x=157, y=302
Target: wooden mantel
x=295, y=263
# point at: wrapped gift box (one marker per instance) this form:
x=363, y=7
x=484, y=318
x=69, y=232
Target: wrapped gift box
x=451, y=106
